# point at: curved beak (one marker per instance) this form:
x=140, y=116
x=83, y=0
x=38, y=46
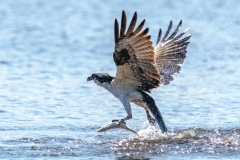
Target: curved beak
x=89, y=78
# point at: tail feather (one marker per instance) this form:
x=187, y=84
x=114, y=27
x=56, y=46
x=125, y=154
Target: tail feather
x=149, y=101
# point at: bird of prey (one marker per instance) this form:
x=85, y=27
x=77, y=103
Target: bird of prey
x=142, y=67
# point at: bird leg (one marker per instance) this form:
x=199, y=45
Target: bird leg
x=151, y=120
x=127, y=107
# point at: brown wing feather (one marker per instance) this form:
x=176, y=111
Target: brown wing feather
x=134, y=55
x=170, y=52
x=123, y=24
x=132, y=24
x=116, y=31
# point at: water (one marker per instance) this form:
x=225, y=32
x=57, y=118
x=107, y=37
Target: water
x=49, y=111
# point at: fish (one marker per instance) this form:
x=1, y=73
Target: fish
x=115, y=125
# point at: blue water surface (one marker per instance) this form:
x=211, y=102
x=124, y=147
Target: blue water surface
x=49, y=111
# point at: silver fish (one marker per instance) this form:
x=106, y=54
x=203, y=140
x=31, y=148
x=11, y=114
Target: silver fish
x=114, y=125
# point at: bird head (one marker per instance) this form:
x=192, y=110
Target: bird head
x=100, y=78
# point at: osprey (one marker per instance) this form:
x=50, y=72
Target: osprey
x=142, y=67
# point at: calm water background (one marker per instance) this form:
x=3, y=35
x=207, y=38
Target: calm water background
x=49, y=111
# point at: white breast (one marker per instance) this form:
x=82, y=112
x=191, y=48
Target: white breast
x=126, y=89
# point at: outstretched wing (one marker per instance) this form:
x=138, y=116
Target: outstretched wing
x=170, y=52
x=134, y=55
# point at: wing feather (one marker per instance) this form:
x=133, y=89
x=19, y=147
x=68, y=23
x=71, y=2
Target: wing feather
x=123, y=24
x=139, y=28
x=138, y=40
x=143, y=43
x=116, y=31
x=176, y=30
x=168, y=31
x=170, y=52
x=159, y=35
x=144, y=32
x=134, y=56
x=132, y=24
x=141, y=64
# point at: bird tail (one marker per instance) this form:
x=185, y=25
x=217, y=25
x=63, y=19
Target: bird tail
x=149, y=101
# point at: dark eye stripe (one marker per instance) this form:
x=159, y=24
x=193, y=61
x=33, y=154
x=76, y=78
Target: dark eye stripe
x=103, y=78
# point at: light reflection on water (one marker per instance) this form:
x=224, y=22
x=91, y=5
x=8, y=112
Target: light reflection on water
x=48, y=49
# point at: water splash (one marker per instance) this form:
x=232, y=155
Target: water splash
x=189, y=141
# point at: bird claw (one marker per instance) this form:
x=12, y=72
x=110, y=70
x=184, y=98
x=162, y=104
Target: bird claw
x=120, y=121
x=151, y=121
